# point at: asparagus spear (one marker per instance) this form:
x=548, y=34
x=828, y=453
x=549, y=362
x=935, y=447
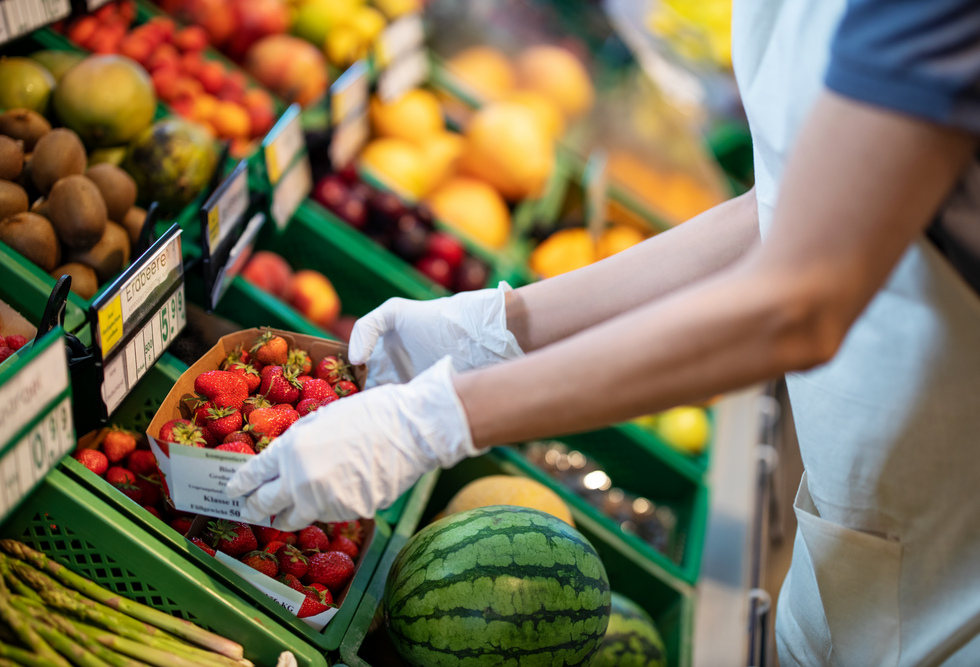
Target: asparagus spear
x=18, y=586
x=177, y=626
x=71, y=650
x=25, y=631
x=148, y=654
x=4, y=662
x=24, y=658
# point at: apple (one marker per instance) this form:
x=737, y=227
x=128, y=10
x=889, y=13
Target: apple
x=311, y=293
x=268, y=271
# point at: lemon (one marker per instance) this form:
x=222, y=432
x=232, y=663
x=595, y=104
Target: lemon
x=399, y=164
x=685, y=428
x=315, y=19
x=509, y=490
x=559, y=75
x=565, y=250
x=440, y=152
x=486, y=70
x=415, y=116
x=548, y=113
x=368, y=22
x=344, y=46
x=474, y=208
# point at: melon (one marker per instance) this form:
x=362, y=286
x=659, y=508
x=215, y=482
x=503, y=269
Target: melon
x=107, y=100
x=631, y=639
x=509, y=490
x=25, y=84
x=499, y=585
x=171, y=162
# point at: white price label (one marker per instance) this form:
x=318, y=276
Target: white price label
x=197, y=481
x=349, y=93
x=227, y=212
x=348, y=139
x=32, y=389
x=405, y=73
x=281, y=151
x=399, y=38
x=294, y=187
x=24, y=16
x=141, y=352
x=236, y=258
x=36, y=453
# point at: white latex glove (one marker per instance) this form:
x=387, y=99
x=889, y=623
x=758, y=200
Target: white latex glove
x=357, y=455
x=401, y=338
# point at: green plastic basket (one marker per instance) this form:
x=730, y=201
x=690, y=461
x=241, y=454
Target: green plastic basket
x=71, y=524
x=670, y=602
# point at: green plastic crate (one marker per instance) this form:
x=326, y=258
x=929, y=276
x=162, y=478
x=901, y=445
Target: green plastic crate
x=670, y=602
x=71, y=524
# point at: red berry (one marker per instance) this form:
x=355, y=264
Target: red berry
x=333, y=569
x=317, y=389
x=16, y=342
x=344, y=545
x=236, y=447
x=291, y=581
x=203, y=545
x=333, y=370
x=142, y=462
x=272, y=547
x=312, y=537
x=266, y=535
x=5, y=353
x=181, y=524
x=232, y=537
x=350, y=529
x=436, y=269
x=153, y=511
x=446, y=247
x=271, y=349
x=151, y=488
x=261, y=561
x=345, y=388
x=291, y=561
x=118, y=444
x=93, y=459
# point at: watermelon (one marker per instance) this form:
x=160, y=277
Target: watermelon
x=501, y=586
x=632, y=639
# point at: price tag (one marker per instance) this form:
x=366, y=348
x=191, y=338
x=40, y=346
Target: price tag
x=138, y=317
x=197, y=481
x=24, y=16
x=283, y=143
x=349, y=107
x=237, y=258
x=95, y=4
x=596, y=185
x=401, y=54
x=226, y=208
x=36, y=427
x=294, y=187
x=400, y=37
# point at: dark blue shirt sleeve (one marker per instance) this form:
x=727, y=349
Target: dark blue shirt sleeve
x=920, y=57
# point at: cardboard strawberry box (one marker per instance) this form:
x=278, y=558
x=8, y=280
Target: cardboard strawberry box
x=195, y=477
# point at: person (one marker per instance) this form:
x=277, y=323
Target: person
x=864, y=117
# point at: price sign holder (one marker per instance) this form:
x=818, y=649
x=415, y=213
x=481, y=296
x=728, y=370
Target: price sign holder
x=19, y=17
x=137, y=318
x=36, y=427
x=227, y=233
x=287, y=167
x=349, y=115
x=401, y=57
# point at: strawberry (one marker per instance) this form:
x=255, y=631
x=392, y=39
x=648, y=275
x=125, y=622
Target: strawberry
x=225, y=389
x=317, y=389
x=182, y=432
x=314, y=603
x=248, y=373
x=280, y=386
x=349, y=529
x=345, y=388
x=16, y=342
x=125, y=481
x=181, y=524
x=343, y=545
x=303, y=379
x=222, y=422
x=270, y=422
x=288, y=538
x=312, y=537
x=333, y=370
x=292, y=582
x=142, y=462
x=271, y=349
x=5, y=353
x=237, y=447
x=300, y=361
x=231, y=537
x=323, y=590
x=283, y=406
x=291, y=561
x=118, y=444
x=266, y=535
x=239, y=436
x=203, y=545
x=273, y=546
x=332, y=569
x=150, y=487
x=239, y=354
x=262, y=443
x=201, y=410
x=263, y=562
x=210, y=441
x=254, y=403
x=3, y=341
x=308, y=405
x=153, y=511
x=93, y=459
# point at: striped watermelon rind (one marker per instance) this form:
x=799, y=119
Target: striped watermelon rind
x=502, y=586
x=632, y=639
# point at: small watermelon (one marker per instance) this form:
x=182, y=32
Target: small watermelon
x=632, y=639
x=497, y=586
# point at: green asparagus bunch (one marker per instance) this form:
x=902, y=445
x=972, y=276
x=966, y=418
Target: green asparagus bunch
x=53, y=617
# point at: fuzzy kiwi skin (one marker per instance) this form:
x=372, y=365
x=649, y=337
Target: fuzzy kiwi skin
x=117, y=187
x=33, y=237
x=133, y=223
x=77, y=211
x=108, y=256
x=13, y=199
x=11, y=158
x=84, y=282
x=58, y=154
x=24, y=124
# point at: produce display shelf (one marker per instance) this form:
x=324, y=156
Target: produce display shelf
x=249, y=306
x=26, y=289
x=669, y=602
x=71, y=524
x=135, y=413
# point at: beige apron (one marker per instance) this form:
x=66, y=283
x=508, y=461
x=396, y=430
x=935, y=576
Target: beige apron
x=886, y=563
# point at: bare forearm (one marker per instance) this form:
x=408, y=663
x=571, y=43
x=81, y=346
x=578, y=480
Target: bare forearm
x=551, y=310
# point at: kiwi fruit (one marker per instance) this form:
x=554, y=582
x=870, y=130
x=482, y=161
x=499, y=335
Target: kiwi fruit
x=133, y=223
x=11, y=158
x=33, y=237
x=13, y=199
x=107, y=256
x=40, y=206
x=84, y=282
x=77, y=211
x=24, y=124
x=58, y=154
x=117, y=187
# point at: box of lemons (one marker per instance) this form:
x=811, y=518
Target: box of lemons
x=668, y=601
x=81, y=532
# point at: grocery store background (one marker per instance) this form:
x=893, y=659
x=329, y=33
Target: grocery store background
x=197, y=168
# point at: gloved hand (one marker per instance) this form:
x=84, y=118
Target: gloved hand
x=357, y=455
x=402, y=338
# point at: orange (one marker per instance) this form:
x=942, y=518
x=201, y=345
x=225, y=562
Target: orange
x=440, y=153
x=616, y=239
x=231, y=120
x=559, y=75
x=565, y=250
x=548, y=113
x=474, y=208
x=399, y=164
x=487, y=71
x=414, y=116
